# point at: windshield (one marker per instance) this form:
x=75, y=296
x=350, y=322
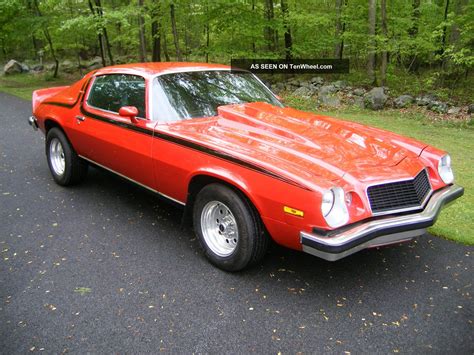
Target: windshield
x=187, y=95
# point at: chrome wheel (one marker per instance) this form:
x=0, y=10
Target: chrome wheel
x=219, y=228
x=56, y=156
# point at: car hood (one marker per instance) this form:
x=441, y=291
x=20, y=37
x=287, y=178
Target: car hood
x=299, y=145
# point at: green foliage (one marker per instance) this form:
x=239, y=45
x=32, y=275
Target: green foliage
x=222, y=29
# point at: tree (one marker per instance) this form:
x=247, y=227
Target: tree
x=156, y=31
x=270, y=36
x=384, y=62
x=286, y=26
x=47, y=35
x=372, y=44
x=175, y=33
x=339, y=29
x=141, y=32
x=103, y=30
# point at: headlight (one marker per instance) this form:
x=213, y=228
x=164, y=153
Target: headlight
x=444, y=169
x=334, y=208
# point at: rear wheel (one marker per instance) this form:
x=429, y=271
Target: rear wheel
x=228, y=228
x=65, y=165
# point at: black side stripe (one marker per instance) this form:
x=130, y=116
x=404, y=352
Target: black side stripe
x=194, y=146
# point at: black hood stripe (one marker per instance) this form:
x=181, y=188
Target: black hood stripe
x=192, y=145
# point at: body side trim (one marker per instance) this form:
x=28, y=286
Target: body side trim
x=134, y=181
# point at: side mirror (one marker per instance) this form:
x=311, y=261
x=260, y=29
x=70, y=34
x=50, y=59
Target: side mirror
x=130, y=112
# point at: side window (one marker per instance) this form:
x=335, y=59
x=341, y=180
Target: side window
x=111, y=92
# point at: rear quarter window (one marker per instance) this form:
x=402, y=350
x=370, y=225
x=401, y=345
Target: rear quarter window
x=113, y=91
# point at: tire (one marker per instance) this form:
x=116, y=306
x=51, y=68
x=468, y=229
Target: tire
x=65, y=165
x=228, y=228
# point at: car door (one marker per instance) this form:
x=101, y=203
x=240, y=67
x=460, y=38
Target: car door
x=113, y=141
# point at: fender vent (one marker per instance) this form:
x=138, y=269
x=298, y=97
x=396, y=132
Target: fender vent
x=401, y=195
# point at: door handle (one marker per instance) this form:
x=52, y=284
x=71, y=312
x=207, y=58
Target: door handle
x=80, y=119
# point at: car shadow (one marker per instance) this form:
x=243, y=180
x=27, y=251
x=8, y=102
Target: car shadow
x=373, y=266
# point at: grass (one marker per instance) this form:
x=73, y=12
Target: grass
x=22, y=85
x=455, y=223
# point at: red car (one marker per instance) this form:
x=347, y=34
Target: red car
x=245, y=167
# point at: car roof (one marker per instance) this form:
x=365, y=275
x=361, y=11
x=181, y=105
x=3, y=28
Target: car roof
x=154, y=68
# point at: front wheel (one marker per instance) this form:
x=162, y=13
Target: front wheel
x=65, y=165
x=228, y=228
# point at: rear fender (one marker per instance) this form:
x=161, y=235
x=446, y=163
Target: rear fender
x=42, y=94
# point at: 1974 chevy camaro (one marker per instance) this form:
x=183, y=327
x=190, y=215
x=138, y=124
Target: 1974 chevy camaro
x=245, y=167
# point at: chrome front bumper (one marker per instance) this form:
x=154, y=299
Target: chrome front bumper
x=33, y=122
x=339, y=243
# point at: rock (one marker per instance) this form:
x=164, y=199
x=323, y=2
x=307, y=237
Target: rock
x=375, y=99
x=438, y=106
x=331, y=100
x=425, y=100
x=305, y=84
x=359, y=92
x=12, y=67
x=359, y=101
x=327, y=96
x=314, y=89
x=340, y=84
x=470, y=109
x=24, y=68
x=303, y=92
x=279, y=87
x=454, y=110
x=38, y=67
x=327, y=89
x=403, y=101
x=317, y=80
x=294, y=82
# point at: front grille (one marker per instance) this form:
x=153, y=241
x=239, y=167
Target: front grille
x=400, y=195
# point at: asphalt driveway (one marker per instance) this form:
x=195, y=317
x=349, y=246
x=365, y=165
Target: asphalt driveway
x=105, y=267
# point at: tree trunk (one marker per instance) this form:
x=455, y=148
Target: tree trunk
x=49, y=40
x=179, y=58
x=383, y=66
x=269, y=30
x=444, y=59
x=165, y=47
x=443, y=39
x=413, y=32
x=286, y=26
x=35, y=44
x=254, y=48
x=156, y=32
x=4, y=50
x=99, y=37
x=104, y=30
x=371, y=50
x=141, y=32
x=338, y=46
x=207, y=42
